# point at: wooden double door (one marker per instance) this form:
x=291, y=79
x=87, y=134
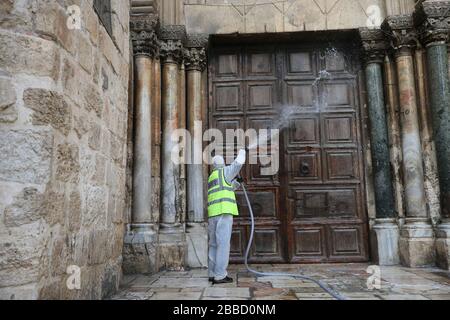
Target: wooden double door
x=313, y=209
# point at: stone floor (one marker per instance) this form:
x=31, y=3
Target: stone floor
x=350, y=280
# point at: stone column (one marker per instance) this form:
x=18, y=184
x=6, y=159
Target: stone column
x=391, y=89
x=171, y=234
x=433, y=20
x=141, y=238
x=196, y=227
x=385, y=231
x=416, y=236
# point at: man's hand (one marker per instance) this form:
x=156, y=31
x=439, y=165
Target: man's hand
x=239, y=179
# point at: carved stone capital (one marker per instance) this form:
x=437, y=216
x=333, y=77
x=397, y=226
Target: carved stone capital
x=144, y=34
x=171, y=51
x=432, y=19
x=195, y=53
x=400, y=32
x=195, y=59
x=374, y=44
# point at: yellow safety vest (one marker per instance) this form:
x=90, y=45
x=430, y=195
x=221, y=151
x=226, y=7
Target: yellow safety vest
x=221, y=197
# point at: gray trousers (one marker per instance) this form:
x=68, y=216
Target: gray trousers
x=219, y=231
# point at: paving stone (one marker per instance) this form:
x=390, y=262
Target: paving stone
x=348, y=280
x=254, y=284
x=223, y=298
x=312, y=295
x=403, y=297
x=227, y=292
x=438, y=296
x=267, y=292
x=181, y=282
x=176, y=296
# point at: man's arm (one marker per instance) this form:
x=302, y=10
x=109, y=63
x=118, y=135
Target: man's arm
x=233, y=169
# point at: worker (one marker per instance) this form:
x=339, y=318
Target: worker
x=222, y=206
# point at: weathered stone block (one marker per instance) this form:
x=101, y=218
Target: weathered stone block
x=172, y=256
x=54, y=207
x=8, y=110
x=85, y=54
x=50, y=20
x=94, y=211
x=140, y=253
x=25, y=155
x=50, y=108
x=197, y=245
x=67, y=163
x=20, y=254
x=97, y=247
x=93, y=100
x=80, y=124
x=74, y=211
x=28, y=55
x=27, y=207
x=25, y=292
x=15, y=15
x=417, y=252
x=95, y=136
x=385, y=239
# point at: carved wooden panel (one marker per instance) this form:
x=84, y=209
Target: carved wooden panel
x=228, y=97
x=304, y=130
x=341, y=165
x=302, y=95
x=310, y=242
x=305, y=167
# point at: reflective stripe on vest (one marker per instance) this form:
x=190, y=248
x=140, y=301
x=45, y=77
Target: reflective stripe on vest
x=221, y=197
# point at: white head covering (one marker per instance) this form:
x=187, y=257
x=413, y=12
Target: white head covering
x=218, y=162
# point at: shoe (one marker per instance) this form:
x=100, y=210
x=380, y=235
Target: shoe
x=224, y=280
x=211, y=279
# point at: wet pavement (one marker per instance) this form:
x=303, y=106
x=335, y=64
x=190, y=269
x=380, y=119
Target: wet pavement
x=350, y=280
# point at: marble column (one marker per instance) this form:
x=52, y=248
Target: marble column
x=141, y=237
x=433, y=20
x=172, y=238
x=196, y=226
x=385, y=231
x=416, y=235
x=395, y=145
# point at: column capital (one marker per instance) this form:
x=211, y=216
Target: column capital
x=172, y=39
x=432, y=19
x=144, y=34
x=401, y=32
x=374, y=44
x=195, y=53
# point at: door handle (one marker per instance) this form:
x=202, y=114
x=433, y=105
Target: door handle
x=304, y=168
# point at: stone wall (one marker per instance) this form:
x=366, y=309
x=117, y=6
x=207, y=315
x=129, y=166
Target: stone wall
x=63, y=128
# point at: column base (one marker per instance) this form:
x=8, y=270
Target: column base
x=172, y=247
x=140, y=249
x=417, y=244
x=443, y=245
x=197, y=245
x=385, y=239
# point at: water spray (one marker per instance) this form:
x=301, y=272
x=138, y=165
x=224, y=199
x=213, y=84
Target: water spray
x=277, y=274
